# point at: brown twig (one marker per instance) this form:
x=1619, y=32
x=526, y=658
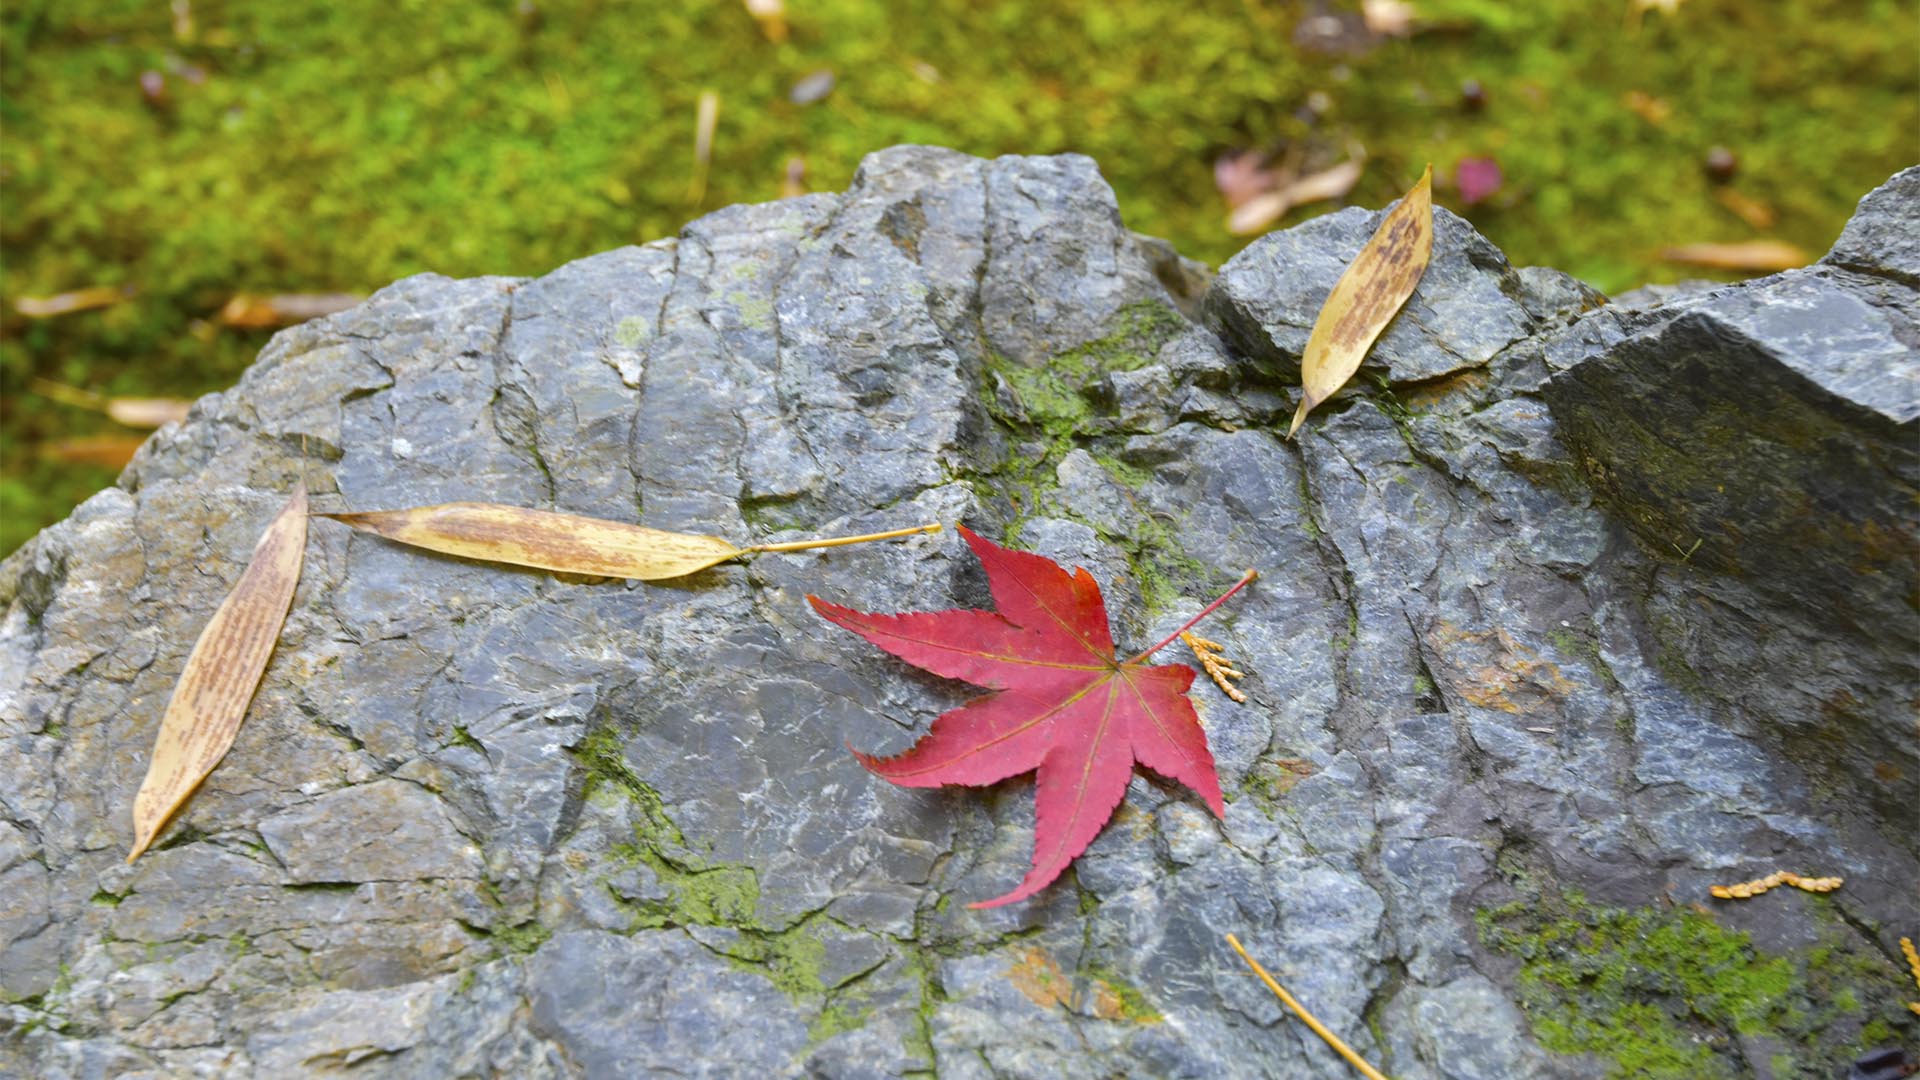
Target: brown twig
x=1311, y=1021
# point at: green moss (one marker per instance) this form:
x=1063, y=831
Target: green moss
x=298, y=153
x=1109, y=987
x=790, y=958
x=1054, y=394
x=834, y=1019
x=1667, y=992
x=1670, y=651
x=464, y=738
x=523, y=938
x=1058, y=414
x=715, y=896
x=700, y=892
x=603, y=756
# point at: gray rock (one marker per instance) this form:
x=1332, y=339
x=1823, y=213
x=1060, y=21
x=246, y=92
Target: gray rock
x=483, y=821
x=1762, y=442
x=1884, y=235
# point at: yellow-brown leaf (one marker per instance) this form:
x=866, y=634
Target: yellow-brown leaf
x=1760, y=256
x=108, y=451
x=221, y=674
x=545, y=540
x=1367, y=297
x=131, y=411
x=147, y=412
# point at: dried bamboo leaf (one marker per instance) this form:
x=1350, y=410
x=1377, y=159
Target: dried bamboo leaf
x=248, y=311
x=147, y=412
x=545, y=540
x=1367, y=297
x=66, y=303
x=106, y=451
x=568, y=543
x=131, y=411
x=221, y=674
x=1758, y=256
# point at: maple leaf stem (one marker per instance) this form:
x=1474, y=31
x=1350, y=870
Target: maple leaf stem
x=803, y=545
x=1204, y=612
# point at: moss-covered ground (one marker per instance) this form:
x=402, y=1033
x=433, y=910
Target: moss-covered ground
x=1669, y=992
x=304, y=146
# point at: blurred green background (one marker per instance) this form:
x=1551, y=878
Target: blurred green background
x=187, y=152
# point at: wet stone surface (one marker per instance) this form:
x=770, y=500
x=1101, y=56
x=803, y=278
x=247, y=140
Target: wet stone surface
x=1506, y=721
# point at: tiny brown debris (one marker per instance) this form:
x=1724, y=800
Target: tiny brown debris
x=1653, y=110
x=1219, y=669
x=221, y=674
x=1291, y=771
x=1779, y=877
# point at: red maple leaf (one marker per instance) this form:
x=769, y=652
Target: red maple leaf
x=1066, y=706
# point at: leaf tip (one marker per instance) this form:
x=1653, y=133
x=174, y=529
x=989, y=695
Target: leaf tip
x=1300, y=416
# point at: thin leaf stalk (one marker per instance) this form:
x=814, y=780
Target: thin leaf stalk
x=804, y=545
x=1204, y=612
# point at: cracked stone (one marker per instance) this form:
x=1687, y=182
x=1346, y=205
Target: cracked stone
x=484, y=821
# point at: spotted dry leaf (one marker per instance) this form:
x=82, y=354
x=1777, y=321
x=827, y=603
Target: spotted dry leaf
x=567, y=543
x=221, y=674
x=1367, y=297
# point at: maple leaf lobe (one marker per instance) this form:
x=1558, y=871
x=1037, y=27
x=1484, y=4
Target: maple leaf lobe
x=1065, y=707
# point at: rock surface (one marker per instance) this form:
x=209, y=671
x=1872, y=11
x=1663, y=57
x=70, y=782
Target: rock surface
x=1505, y=723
